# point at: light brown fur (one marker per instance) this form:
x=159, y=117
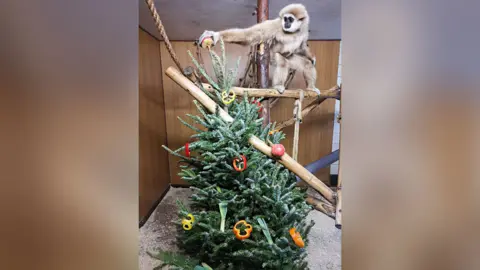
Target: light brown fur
x=287, y=49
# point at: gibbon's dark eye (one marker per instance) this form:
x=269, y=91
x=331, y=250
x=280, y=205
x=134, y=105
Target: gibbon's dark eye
x=301, y=19
x=288, y=19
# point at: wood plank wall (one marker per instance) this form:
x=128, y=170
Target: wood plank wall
x=315, y=133
x=154, y=178
x=316, y=130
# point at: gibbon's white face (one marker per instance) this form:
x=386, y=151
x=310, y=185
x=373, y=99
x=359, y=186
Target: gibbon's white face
x=290, y=23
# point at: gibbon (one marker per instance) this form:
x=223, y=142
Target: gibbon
x=286, y=36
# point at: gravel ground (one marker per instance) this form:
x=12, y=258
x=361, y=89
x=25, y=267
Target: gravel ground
x=159, y=232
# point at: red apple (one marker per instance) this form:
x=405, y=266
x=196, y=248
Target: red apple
x=278, y=150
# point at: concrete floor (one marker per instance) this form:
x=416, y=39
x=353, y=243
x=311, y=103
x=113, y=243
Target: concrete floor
x=159, y=232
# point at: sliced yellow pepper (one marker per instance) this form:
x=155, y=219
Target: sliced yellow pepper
x=187, y=223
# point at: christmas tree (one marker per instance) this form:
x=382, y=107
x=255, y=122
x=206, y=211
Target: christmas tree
x=246, y=211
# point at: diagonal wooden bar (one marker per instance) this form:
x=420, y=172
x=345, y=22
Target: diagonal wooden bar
x=296, y=168
x=323, y=207
x=272, y=93
x=260, y=145
x=331, y=93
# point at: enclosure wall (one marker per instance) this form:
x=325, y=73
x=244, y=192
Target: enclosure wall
x=315, y=132
x=154, y=178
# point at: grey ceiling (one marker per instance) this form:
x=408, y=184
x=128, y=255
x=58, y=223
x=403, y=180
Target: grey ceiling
x=187, y=19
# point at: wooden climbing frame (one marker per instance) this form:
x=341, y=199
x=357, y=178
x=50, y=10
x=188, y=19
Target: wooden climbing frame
x=289, y=93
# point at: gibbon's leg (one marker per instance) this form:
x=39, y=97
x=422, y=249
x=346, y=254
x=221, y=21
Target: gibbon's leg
x=281, y=73
x=308, y=68
x=310, y=75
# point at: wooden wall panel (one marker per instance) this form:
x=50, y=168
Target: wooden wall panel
x=154, y=177
x=316, y=131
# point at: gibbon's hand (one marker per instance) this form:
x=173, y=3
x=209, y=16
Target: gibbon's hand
x=314, y=60
x=209, y=34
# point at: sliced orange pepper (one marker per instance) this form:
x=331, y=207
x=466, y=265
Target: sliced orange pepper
x=237, y=232
x=271, y=132
x=297, y=238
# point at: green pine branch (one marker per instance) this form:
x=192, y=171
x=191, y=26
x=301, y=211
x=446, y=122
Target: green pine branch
x=174, y=259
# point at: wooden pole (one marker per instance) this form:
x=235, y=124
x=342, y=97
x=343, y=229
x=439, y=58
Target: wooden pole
x=263, y=61
x=297, y=114
x=260, y=145
x=338, y=210
x=190, y=73
x=332, y=92
x=323, y=207
x=289, y=93
x=243, y=80
x=199, y=95
x=296, y=168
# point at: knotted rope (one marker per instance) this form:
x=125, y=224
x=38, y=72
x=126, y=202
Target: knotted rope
x=161, y=29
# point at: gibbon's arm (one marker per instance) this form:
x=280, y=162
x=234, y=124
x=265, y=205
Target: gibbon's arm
x=304, y=51
x=261, y=32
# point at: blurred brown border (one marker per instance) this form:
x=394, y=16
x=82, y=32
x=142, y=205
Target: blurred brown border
x=69, y=134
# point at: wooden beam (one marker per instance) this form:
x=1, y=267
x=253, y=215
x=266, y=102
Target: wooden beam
x=260, y=145
x=272, y=93
x=338, y=206
x=263, y=59
x=199, y=95
x=331, y=93
x=297, y=114
x=296, y=168
x=323, y=207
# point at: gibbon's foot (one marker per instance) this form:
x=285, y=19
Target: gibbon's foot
x=316, y=90
x=280, y=88
x=216, y=37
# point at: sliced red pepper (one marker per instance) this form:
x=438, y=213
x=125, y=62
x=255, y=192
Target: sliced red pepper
x=243, y=160
x=259, y=105
x=187, y=150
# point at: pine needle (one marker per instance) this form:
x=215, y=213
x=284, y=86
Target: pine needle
x=174, y=259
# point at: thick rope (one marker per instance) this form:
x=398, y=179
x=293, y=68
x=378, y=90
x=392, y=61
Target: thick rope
x=161, y=29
